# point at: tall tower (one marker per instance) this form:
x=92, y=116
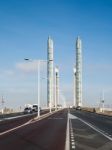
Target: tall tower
x=78, y=72
x=50, y=72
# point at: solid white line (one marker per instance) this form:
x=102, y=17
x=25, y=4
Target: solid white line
x=15, y=128
x=96, y=129
x=67, y=143
x=15, y=117
x=29, y=122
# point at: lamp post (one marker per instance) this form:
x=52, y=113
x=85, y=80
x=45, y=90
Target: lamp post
x=56, y=86
x=2, y=104
x=38, y=67
x=38, y=64
x=74, y=86
x=102, y=106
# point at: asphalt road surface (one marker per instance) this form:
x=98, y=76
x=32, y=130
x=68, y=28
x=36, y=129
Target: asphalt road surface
x=9, y=123
x=90, y=131
x=63, y=130
x=46, y=134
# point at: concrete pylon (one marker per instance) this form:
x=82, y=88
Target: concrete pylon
x=78, y=72
x=50, y=57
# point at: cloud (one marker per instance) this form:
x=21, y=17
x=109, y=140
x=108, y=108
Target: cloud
x=7, y=73
x=31, y=66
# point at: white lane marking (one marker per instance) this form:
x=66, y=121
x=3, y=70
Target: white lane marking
x=29, y=122
x=16, y=128
x=73, y=143
x=15, y=117
x=72, y=116
x=73, y=147
x=69, y=133
x=95, y=128
x=67, y=143
x=72, y=135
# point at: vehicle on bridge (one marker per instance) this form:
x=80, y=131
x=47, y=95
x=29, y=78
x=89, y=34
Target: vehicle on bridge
x=28, y=110
x=78, y=108
x=35, y=108
x=31, y=108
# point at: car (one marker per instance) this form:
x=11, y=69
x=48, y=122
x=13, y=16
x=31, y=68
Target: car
x=28, y=110
x=35, y=108
x=78, y=108
x=71, y=106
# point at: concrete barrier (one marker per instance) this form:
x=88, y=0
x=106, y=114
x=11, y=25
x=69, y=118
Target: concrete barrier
x=97, y=110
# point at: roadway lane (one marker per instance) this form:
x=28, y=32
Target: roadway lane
x=102, y=122
x=10, y=123
x=46, y=134
x=83, y=136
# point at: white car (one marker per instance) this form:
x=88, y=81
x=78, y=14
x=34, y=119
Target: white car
x=35, y=107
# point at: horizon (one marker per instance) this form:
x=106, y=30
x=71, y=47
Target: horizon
x=25, y=27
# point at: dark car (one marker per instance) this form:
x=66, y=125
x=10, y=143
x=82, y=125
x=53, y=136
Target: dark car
x=27, y=110
x=78, y=108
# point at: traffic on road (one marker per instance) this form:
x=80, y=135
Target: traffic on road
x=65, y=129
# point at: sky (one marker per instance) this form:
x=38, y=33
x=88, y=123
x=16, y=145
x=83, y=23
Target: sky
x=24, y=29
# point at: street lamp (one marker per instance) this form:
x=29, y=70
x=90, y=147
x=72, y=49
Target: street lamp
x=102, y=105
x=74, y=86
x=56, y=86
x=38, y=66
x=2, y=104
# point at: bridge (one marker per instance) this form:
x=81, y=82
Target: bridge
x=63, y=129
x=58, y=128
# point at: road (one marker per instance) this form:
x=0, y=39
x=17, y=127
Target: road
x=12, y=122
x=63, y=130
x=90, y=131
x=46, y=134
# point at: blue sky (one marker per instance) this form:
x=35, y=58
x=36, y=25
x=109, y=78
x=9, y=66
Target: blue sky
x=24, y=29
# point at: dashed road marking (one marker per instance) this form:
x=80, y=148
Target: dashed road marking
x=96, y=129
x=72, y=140
x=73, y=143
x=73, y=147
